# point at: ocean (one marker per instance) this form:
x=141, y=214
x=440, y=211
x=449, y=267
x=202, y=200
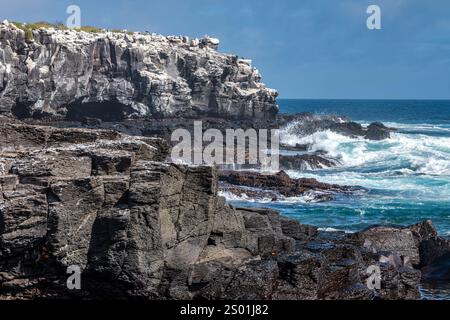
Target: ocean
x=406, y=178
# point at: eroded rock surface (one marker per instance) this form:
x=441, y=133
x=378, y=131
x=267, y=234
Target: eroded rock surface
x=138, y=227
x=278, y=186
x=115, y=76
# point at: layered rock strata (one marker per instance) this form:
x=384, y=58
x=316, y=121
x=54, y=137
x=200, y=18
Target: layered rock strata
x=68, y=74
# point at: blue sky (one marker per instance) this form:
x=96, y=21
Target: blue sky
x=304, y=49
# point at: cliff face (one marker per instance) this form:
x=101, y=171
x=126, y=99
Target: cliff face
x=70, y=74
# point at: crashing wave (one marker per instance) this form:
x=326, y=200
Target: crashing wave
x=402, y=153
x=309, y=197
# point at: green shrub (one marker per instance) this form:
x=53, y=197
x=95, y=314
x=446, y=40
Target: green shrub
x=122, y=31
x=29, y=35
x=90, y=29
x=18, y=24
x=38, y=25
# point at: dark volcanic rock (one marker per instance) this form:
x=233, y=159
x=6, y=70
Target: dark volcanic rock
x=258, y=185
x=417, y=245
x=377, y=131
x=434, y=254
x=141, y=228
x=305, y=162
x=419, y=242
x=297, y=147
x=391, y=239
x=305, y=124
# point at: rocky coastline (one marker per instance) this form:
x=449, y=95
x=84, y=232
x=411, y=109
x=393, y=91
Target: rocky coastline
x=140, y=227
x=86, y=180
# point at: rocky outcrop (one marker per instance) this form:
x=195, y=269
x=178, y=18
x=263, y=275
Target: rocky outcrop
x=297, y=147
x=303, y=162
x=418, y=245
x=68, y=74
x=138, y=227
x=304, y=124
x=378, y=131
x=278, y=186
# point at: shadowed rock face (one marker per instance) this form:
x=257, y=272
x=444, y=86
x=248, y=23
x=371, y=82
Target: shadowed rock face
x=64, y=73
x=141, y=228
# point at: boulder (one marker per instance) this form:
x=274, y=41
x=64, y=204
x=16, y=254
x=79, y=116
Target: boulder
x=396, y=240
x=377, y=131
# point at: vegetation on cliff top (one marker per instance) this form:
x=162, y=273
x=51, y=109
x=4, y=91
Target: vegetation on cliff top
x=30, y=27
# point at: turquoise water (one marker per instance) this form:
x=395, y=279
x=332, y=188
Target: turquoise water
x=406, y=179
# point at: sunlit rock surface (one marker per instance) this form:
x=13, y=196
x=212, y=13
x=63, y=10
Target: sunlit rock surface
x=72, y=74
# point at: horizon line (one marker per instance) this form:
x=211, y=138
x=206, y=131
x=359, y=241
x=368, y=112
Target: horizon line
x=374, y=99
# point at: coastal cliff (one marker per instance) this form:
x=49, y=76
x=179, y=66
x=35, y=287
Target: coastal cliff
x=138, y=226
x=68, y=74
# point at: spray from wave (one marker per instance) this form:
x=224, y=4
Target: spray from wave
x=405, y=178
x=401, y=154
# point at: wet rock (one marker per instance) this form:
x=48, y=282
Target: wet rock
x=433, y=249
x=305, y=124
x=419, y=245
x=277, y=186
x=437, y=274
x=296, y=147
x=434, y=255
x=305, y=162
x=377, y=131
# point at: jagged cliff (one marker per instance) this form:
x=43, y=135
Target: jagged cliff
x=73, y=74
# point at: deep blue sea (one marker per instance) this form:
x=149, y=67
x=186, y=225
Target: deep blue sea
x=406, y=178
